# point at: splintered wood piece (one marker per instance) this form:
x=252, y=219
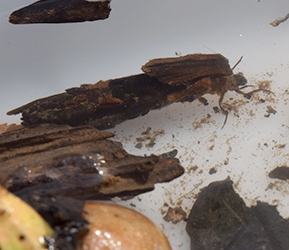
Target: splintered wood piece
x=61, y=11
x=50, y=160
x=185, y=69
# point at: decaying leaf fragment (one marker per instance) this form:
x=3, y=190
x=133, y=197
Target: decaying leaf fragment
x=61, y=11
x=220, y=219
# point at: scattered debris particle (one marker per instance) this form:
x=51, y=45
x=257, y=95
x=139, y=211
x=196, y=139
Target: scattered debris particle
x=212, y=171
x=280, y=145
x=261, y=100
x=148, y=136
x=205, y=120
x=193, y=168
x=251, y=113
x=269, y=111
x=281, y=173
x=226, y=162
x=175, y=215
x=211, y=147
x=151, y=143
x=146, y=131
x=229, y=150
x=216, y=109
x=162, y=211
x=270, y=186
x=139, y=145
x=171, y=154
x=266, y=144
x=264, y=84
x=235, y=104
x=204, y=101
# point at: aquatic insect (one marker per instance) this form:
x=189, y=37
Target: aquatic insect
x=202, y=74
x=165, y=81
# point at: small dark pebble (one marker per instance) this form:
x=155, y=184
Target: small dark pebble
x=204, y=101
x=171, y=154
x=216, y=109
x=281, y=173
x=138, y=145
x=212, y=171
x=269, y=111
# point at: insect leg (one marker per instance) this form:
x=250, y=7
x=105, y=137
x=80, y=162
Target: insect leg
x=237, y=63
x=249, y=94
x=225, y=112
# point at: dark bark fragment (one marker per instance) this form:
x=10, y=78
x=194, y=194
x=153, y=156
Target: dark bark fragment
x=80, y=162
x=220, y=219
x=61, y=11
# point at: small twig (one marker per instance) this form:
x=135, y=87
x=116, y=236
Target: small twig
x=279, y=20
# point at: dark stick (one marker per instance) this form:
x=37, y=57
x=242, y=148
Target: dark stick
x=61, y=11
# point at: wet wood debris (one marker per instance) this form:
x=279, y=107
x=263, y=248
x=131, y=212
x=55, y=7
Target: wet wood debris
x=80, y=162
x=61, y=11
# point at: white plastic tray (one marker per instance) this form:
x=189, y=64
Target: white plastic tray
x=45, y=59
